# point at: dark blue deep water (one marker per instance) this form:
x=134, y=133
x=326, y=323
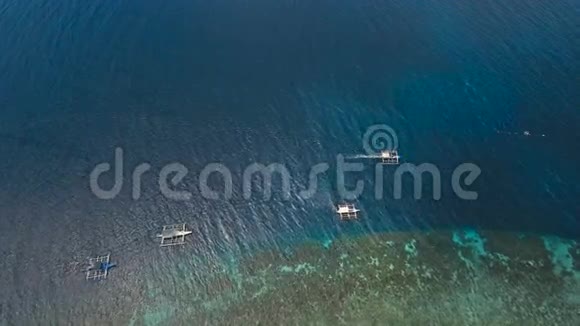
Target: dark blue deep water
x=290, y=81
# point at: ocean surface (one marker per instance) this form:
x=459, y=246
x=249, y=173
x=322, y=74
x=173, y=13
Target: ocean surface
x=291, y=82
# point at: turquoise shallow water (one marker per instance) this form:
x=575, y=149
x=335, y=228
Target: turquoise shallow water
x=293, y=82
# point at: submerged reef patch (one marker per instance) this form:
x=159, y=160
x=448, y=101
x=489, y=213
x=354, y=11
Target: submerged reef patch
x=461, y=277
x=561, y=251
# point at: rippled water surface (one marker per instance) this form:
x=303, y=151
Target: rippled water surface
x=295, y=83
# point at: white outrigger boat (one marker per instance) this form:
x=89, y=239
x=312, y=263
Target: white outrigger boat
x=389, y=157
x=172, y=235
x=347, y=212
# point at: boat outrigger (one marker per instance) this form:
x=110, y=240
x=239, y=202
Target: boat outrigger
x=173, y=234
x=387, y=157
x=347, y=212
x=99, y=267
x=390, y=157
